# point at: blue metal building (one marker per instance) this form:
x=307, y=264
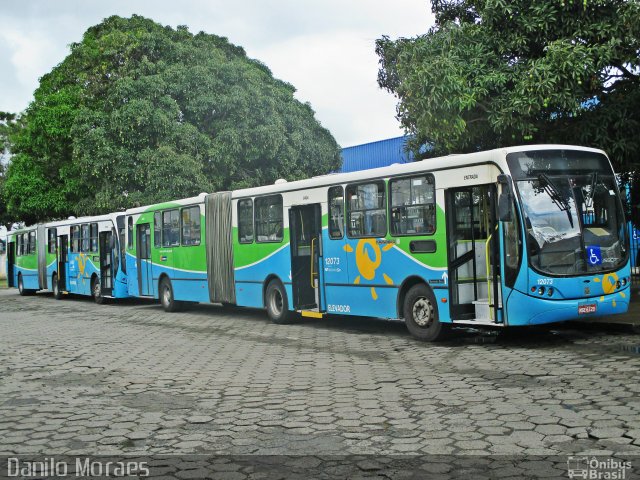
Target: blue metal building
x=375, y=154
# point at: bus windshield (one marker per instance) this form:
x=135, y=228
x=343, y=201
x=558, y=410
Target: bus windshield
x=572, y=211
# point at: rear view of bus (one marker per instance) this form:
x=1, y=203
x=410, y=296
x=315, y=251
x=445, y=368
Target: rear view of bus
x=573, y=261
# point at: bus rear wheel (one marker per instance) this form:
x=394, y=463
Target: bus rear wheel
x=57, y=294
x=167, y=300
x=21, y=290
x=96, y=291
x=421, y=315
x=277, y=303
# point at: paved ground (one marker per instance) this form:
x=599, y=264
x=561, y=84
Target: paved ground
x=77, y=378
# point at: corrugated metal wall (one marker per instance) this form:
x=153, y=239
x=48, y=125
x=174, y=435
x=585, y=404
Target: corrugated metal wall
x=375, y=154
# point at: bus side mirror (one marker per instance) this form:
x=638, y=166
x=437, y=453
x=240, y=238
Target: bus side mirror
x=504, y=207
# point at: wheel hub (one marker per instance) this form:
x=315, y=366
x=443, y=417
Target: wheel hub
x=276, y=302
x=165, y=296
x=422, y=312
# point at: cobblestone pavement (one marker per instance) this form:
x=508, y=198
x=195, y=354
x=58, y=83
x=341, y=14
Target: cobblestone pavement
x=78, y=378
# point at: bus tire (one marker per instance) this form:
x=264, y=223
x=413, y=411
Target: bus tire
x=167, y=300
x=421, y=315
x=21, y=290
x=275, y=299
x=96, y=291
x=55, y=286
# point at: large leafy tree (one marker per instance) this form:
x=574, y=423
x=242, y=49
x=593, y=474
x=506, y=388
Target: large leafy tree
x=8, y=123
x=139, y=113
x=505, y=72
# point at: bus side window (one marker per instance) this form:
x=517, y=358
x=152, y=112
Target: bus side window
x=84, y=237
x=130, y=233
x=74, y=240
x=269, y=224
x=32, y=242
x=336, y=212
x=93, y=236
x=413, y=206
x=52, y=237
x=366, y=210
x=191, y=226
x=170, y=228
x=245, y=220
x=157, y=229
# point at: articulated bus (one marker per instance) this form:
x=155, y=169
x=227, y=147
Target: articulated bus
x=79, y=256
x=509, y=237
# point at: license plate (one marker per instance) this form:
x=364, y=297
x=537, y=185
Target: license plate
x=586, y=308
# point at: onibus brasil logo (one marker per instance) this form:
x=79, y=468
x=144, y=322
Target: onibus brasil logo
x=594, y=468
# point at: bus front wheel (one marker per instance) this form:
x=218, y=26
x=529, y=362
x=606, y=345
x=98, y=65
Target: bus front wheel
x=277, y=303
x=57, y=294
x=169, y=303
x=421, y=315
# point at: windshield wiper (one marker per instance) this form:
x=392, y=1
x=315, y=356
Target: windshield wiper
x=594, y=183
x=555, y=195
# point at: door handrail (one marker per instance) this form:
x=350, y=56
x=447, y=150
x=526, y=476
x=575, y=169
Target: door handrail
x=313, y=285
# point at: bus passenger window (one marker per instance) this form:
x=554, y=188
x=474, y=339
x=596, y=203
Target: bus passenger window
x=157, y=229
x=269, y=225
x=170, y=228
x=245, y=220
x=52, y=237
x=366, y=212
x=130, y=232
x=32, y=242
x=413, y=206
x=93, y=237
x=84, y=237
x=191, y=226
x=336, y=212
x=74, y=239
x=20, y=245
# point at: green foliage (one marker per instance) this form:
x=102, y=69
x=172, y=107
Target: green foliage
x=140, y=113
x=507, y=72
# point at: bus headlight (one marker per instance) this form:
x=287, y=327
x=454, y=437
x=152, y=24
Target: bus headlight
x=624, y=281
x=550, y=291
x=541, y=290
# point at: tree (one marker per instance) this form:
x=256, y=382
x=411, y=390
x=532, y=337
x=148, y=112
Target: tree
x=8, y=123
x=139, y=113
x=506, y=72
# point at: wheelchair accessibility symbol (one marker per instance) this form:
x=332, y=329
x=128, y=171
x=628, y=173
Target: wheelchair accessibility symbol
x=594, y=255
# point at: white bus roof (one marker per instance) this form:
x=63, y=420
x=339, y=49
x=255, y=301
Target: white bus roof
x=184, y=201
x=429, y=164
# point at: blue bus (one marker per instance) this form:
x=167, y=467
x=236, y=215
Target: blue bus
x=75, y=256
x=515, y=236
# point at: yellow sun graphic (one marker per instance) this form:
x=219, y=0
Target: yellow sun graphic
x=609, y=283
x=82, y=265
x=367, y=266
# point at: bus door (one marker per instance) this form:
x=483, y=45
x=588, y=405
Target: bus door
x=107, y=244
x=473, y=244
x=143, y=252
x=305, y=228
x=62, y=258
x=11, y=261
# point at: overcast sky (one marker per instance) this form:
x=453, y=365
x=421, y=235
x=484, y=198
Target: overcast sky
x=324, y=48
